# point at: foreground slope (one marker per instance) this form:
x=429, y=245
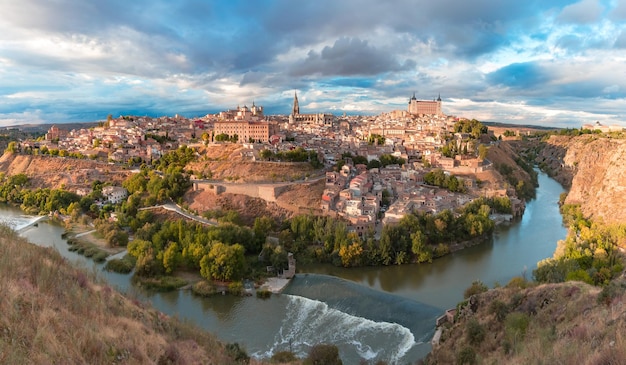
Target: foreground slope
x=53, y=313
x=568, y=323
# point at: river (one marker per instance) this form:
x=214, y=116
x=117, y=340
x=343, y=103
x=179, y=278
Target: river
x=376, y=314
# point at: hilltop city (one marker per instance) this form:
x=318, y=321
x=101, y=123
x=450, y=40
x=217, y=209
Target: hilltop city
x=381, y=161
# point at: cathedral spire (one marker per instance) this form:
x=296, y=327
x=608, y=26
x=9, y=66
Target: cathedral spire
x=296, y=106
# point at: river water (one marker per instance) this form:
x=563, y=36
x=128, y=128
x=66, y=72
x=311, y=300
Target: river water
x=376, y=314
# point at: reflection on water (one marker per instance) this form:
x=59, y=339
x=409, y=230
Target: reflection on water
x=377, y=313
x=513, y=250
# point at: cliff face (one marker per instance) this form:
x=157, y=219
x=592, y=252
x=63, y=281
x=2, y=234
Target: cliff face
x=594, y=168
x=54, y=172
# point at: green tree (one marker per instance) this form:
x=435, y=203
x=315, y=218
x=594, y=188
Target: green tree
x=352, y=253
x=420, y=248
x=192, y=254
x=148, y=265
x=171, y=258
x=266, y=154
x=482, y=151
x=262, y=226
x=223, y=262
x=12, y=147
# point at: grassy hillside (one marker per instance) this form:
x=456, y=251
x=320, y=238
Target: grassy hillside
x=568, y=323
x=53, y=313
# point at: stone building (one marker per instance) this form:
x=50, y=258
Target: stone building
x=418, y=107
x=114, y=194
x=248, y=124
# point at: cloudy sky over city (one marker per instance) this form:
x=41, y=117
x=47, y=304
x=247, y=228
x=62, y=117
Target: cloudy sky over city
x=554, y=63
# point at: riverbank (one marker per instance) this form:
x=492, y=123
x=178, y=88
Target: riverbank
x=275, y=284
x=87, y=233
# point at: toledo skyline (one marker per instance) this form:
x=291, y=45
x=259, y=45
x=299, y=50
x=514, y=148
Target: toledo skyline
x=558, y=63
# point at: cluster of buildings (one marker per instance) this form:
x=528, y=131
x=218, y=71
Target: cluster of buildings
x=122, y=139
x=365, y=197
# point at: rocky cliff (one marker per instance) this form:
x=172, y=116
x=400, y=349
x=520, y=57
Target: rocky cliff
x=594, y=169
x=55, y=172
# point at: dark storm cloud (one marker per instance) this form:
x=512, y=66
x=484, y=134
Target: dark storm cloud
x=349, y=56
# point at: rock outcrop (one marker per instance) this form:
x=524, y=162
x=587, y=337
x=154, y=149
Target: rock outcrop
x=594, y=169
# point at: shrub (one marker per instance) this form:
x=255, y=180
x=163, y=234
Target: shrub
x=499, y=309
x=170, y=357
x=515, y=325
x=516, y=300
x=611, y=291
x=579, y=275
x=203, y=288
x=123, y=266
x=517, y=282
x=159, y=283
x=323, y=354
x=477, y=287
x=236, y=288
x=475, y=332
x=466, y=356
x=100, y=256
x=237, y=353
x=283, y=357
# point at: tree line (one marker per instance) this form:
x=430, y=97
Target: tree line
x=298, y=154
x=418, y=237
x=589, y=253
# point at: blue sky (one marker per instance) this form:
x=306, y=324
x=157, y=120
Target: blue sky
x=553, y=63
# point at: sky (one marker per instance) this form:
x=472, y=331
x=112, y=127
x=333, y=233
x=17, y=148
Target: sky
x=554, y=63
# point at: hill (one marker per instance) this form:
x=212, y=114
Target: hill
x=231, y=162
x=568, y=323
x=53, y=313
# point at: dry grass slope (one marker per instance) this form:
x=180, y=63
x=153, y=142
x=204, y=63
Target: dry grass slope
x=547, y=324
x=53, y=313
x=225, y=162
